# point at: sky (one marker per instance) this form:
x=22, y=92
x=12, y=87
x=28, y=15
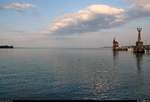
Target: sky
x=73, y=23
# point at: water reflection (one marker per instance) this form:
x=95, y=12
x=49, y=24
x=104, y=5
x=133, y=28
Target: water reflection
x=115, y=58
x=139, y=61
x=115, y=54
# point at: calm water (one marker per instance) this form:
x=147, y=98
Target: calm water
x=73, y=74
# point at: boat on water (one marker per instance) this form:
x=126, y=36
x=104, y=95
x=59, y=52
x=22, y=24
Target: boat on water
x=6, y=46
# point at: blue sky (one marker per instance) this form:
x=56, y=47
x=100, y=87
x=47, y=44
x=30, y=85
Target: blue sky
x=29, y=23
x=47, y=10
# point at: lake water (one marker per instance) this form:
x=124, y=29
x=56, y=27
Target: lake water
x=97, y=74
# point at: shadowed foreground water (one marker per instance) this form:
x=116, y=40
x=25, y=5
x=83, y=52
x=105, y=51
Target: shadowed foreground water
x=96, y=74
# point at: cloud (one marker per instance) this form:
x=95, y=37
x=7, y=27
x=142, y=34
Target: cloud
x=140, y=4
x=137, y=9
x=16, y=6
x=98, y=17
x=90, y=19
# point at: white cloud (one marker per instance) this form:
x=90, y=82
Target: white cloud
x=90, y=19
x=16, y=6
x=104, y=9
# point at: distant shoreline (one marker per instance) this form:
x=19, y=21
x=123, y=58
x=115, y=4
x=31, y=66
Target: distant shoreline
x=10, y=46
x=6, y=46
x=56, y=48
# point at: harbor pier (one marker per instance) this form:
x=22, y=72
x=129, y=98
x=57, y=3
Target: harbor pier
x=139, y=47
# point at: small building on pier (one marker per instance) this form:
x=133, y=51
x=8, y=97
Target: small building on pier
x=116, y=46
